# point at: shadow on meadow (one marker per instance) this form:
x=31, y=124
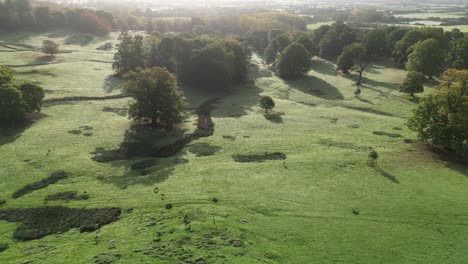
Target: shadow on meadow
x=316, y=87
x=12, y=133
x=274, y=117
x=112, y=84
x=386, y=174
x=144, y=159
x=324, y=67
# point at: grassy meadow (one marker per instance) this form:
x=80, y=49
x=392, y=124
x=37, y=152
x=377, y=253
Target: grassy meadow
x=323, y=204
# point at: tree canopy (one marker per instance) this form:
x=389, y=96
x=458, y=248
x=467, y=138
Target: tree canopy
x=294, y=61
x=426, y=57
x=157, y=97
x=413, y=83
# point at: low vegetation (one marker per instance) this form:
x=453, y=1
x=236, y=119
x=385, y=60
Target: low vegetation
x=53, y=178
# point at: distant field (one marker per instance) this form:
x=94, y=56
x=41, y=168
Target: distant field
x=428, y=15
x=322, y=204
x=319, y=24
x=426, y=22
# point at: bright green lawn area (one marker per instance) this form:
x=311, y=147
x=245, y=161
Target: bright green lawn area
x=412, y=208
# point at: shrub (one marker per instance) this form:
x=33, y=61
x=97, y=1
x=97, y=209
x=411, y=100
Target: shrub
x=39, y=222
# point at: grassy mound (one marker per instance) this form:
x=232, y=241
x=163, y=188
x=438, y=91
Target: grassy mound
x=53, y=178
x=67, y=196
x=40, y=222
x=259, y=157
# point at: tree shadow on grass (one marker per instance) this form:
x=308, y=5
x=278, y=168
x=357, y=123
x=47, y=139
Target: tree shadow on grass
x=112, y=84
x=274, y=117
x=9, y=134
x=324, y=67
x=160, y=172
x=238, y=103
x=140, y=144
x=391, y=86
x=316, y=87
x=386, y=174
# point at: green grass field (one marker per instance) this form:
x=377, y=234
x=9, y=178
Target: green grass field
x=426, y=15
x=323, y=204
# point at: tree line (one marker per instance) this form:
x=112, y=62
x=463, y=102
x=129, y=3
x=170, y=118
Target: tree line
x=21, y=15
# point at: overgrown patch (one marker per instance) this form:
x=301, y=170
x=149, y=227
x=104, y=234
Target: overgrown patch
x=203, y=149
x=53, y=178
x=40, y=222
x=106, y=258
x=67, y=196
x=259, y=157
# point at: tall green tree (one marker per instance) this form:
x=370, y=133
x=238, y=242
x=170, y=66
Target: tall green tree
x=413, y=83
x=33, y=95
x=130, y=53
x=12, y=106
x=426, y=57
x=49, y=47
x=294, y=61
x=358, y=54
x=157, y=97
x=212, y=67
x=442, y=117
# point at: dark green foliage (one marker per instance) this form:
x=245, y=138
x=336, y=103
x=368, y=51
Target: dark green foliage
x=267, y=103
x=413, y=83
x=294, y=61
x=49, y=47
x=458, y=53
x=53, y=178
x=345, y=62
x=211, y=67
x=6, y=76
x=442, y=117
x=157, y=97
x=130, y=53
x=426, y=57
x=12, y=106
x=2, y=202
x=33, y=95
x=203, y=149
x=356, y=54
x=310, y=46
x=143, y=164
x=377, y=43
x=259, y=157
x=40, y=222
x=373, y=156
x=400, y=52
x=67, y=196
x=335, y=39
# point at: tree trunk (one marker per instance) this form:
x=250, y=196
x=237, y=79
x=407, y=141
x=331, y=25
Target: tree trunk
x=154, y=121
x=360, y=77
